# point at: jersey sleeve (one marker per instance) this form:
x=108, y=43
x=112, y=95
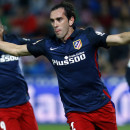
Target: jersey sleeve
x=23, y=41
x=37, y=48
x=17, y=40
x=96, y=38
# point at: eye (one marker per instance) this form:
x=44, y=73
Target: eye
x=51, y=20
x=59, y=19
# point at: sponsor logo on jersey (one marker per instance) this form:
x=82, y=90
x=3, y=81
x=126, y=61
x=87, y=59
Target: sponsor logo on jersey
x=70, y=59
x=77, y=44
x=7, y=58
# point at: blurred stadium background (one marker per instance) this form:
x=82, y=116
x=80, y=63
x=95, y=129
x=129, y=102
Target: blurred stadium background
x=29, y=18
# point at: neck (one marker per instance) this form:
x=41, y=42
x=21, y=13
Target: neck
x=70, y=31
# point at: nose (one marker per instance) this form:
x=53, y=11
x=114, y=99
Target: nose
x=55, y=24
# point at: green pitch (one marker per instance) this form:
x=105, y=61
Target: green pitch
x=54, y=127
x=66, y=127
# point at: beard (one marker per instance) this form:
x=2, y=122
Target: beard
x=60, y=36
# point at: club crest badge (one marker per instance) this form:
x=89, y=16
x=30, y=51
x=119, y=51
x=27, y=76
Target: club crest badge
x=77, y=44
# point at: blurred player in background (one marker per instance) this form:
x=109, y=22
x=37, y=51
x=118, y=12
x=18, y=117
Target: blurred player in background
x=128, y=74
x=16, y=113
x=73, y=54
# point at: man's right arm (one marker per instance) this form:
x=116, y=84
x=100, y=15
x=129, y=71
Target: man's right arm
x=13, y=49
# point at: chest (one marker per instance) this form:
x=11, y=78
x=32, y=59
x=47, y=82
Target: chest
x=73, y=53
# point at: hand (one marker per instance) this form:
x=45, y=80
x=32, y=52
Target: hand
x=1, y=32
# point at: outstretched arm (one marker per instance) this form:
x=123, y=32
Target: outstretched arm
x=10, y=48
x=13, y=49
x=118, y=39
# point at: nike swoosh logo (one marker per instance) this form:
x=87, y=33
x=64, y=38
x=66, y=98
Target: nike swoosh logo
x=53, y=48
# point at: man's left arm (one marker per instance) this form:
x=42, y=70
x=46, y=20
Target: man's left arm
x=118, y=39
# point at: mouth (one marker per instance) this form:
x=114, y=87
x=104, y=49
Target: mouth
x=57, y=30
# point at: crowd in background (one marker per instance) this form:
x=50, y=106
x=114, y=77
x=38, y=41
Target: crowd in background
x=30, y=18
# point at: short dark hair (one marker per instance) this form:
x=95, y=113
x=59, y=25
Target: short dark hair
x=68, y=7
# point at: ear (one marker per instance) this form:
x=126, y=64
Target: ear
x=71, y=21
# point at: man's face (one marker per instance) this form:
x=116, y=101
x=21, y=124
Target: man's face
x=60, y=23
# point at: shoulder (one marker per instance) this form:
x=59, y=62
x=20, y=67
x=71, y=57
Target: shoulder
x=92, y=32
x=89, y=30
x=42, y=42
x=51, y=39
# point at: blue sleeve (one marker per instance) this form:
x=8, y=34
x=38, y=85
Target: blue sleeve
x=17, y=40
x=37, y=48
x=97, y=39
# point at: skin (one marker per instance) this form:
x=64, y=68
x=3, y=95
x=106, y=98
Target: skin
x=63, y=29
x=118, y=39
